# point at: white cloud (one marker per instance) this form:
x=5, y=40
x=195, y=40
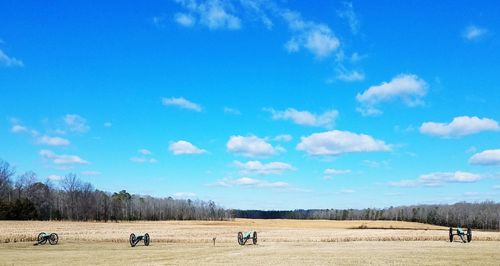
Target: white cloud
x=305, y=118
x=76, y=123
x=487, y=157
x=404, y=183
x=438, y=178
x=108, y=124
x=337, y=142
x=347, y=191
x=214, y=14
x=496, y=187
x=283, y=137
x=18, y=129
x=233, y=111
x=182, y=103
x=460, y=126
x=53, y=141
x=62, y=159
x=350, y=75
x=144, y=152
x=7, y=61
x=252, y=183
x=408, y=88
x=350, y=16
x=332, y=171
x=91, y=173
x=184, y=194
x=184, y=19
x=471, y=194
x=472, y=33
x=317, y=38
x=55, y=177
x=183, y=147
x=251, y=146
x=257, y=167
x=143, y=160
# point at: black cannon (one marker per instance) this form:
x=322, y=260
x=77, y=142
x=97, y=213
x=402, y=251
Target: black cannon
x=244, y=237
x=136, y=239
x=53, y=238
x=465, y=237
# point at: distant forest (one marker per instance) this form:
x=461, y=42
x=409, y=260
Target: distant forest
x=26, y=198
x=29, y=199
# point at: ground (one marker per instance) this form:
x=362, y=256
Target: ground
x=281, y=242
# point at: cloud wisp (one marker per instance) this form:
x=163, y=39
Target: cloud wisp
x=459, y=127
x=181, y=102
x=305, y=118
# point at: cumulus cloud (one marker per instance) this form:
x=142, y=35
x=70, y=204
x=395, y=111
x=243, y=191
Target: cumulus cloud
x=8, y=61
x=305, y=118
x=145, y=157
x=316, y=37
x=182, y=147
x=459, y=127
x=18, y=129
x=53, y=141
x=143, y=160
x=350, y=16
x=330, y=172
x=251, y=183
x=55, y=177
x=283, y=137
x=472, y=33
x=144, y=152
x=214, y=14
x=62, y=159
x=76, y=123
x=438, y=178
x=408, y=88
x=185, y=20
x=233, y=111
x=350, y=76
x=259, y=168
x=487, y=157
x=251, y=146
x=181, y=103
x=337, y=142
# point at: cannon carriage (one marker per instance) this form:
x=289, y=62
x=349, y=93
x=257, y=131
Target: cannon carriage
x=244, y=237
x=464, y=236
x=134, y=240
x=43, y=238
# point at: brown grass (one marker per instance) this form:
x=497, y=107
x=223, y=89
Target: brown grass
x=281, y=242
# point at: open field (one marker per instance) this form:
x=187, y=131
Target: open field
x=289, y=242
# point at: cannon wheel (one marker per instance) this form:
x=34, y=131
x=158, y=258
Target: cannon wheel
x=254, y=238
x=451, y=234
x=469, y=234
x=240, y=238
x=146, y=239
x=132, y=240
x=41, y=239
x=53, y=239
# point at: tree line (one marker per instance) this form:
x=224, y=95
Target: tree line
x=483, y=215
x=27, y=198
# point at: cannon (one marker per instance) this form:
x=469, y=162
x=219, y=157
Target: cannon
x=244, y=237
x=42, y=238
x=133, y=239
x=465, y=237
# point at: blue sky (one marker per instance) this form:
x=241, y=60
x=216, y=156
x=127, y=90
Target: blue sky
x=256, y=104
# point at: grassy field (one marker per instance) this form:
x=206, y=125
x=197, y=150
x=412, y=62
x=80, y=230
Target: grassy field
x=288, y=242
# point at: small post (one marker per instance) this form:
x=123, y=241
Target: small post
x=214, y=240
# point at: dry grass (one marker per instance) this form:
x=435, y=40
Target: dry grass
x=290, y=242
x=225, y=231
